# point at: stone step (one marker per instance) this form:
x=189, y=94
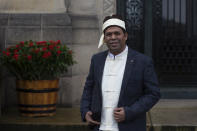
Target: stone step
x=31, y=127
x=179, y=93
x=167, y=115
x=23, y=127
x=65, y=119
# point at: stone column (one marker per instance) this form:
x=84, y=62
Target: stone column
x=33, y=6
x=105, y=8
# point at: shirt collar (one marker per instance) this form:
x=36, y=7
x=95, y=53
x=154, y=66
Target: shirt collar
x=112, y=56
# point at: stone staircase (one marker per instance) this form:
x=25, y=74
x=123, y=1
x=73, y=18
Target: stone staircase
x=167, y=115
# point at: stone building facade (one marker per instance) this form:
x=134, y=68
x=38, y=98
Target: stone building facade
x=76, y=23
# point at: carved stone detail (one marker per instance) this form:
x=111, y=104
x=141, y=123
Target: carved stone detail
x=109, y=7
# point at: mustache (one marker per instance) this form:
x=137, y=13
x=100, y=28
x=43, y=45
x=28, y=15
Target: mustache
x=114, y=41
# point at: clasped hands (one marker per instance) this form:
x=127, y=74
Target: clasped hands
x=119, y=116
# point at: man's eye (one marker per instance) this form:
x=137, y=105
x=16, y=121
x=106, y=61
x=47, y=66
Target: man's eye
x=117, y=33
x=108, y=34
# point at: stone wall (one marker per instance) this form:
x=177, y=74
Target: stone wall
x=87, y=16
x=85, y=36
x=79, y=27
x=20, y=27
x=33, y=6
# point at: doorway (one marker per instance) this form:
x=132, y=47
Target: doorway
x=166, y=30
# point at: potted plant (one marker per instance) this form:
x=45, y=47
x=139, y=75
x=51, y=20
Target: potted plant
x=37, y=67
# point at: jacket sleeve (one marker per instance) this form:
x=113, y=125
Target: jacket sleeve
x=87, y=92
x=150, y=96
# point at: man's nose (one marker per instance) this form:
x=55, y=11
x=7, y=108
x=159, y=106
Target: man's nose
x=113, y=36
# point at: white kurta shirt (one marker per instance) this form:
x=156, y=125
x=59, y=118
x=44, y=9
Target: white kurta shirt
x=111, y=85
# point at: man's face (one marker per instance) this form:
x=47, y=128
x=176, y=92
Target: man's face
x=115, y=39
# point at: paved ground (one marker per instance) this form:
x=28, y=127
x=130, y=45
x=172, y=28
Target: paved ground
x=167, y=113
x=64, y=116
x=175, y=113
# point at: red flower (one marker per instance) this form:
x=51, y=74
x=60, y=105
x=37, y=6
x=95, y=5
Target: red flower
x=52, y=42
x=49, y=53
x=17, y=46
x=37, y=50
x=46, y=54
x=6, y=53
x=58, y=52
x=44, y=44
x=31, y=44
x=51, y=47
x=29, y=57
x=41, y=43
x=37, y=55
x=44, y=48
x=22, y=42
x=58, y=41
x=15, y=51
x=16, y=56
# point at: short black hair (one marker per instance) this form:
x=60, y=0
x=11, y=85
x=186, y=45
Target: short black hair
x=111, y=17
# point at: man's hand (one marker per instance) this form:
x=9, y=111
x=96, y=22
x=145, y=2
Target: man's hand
x=89, y=119
x=119, y=114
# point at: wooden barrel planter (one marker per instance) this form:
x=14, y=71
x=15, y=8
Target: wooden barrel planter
x=37, y=98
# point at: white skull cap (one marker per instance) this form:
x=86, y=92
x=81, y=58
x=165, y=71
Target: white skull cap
x=110, y=22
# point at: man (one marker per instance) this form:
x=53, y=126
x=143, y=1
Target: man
x=121, y=86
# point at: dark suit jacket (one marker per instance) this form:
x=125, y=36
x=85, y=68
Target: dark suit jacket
x=139, y=91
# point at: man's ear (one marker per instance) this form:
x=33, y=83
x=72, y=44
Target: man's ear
x=126, y=35
x=104, y=39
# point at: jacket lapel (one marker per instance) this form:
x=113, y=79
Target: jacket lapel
x=101, y=67
x=128, y=69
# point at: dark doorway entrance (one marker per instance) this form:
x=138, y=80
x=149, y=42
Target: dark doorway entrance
x=133, y=13
x=167, y=31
